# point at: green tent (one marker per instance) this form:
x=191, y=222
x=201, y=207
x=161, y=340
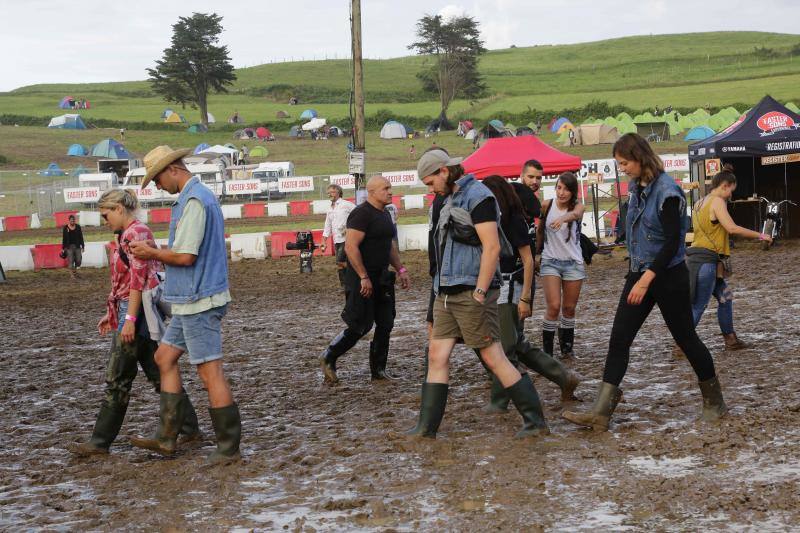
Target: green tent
x=197, y=128
x=259, y=151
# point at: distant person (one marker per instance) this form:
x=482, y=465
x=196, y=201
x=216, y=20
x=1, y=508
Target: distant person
x=72, y=245
x=571, y=135
x=245, y=154
x=122, y=134
x=336, y=227
x=412, y=152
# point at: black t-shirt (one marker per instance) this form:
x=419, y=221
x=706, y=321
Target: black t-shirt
x=516, y=231
x=531, y=204
x=378, y=231
x=436, y=210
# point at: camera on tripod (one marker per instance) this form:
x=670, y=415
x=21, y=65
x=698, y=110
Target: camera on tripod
x=304, y=241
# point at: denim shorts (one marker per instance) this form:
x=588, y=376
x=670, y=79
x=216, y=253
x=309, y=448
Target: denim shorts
x=567, y=270
x=199, y=334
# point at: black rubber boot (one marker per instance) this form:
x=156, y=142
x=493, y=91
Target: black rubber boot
x=552, y=369
x=335, y=349
x=566, y=339
x=431, y=412
x=598, y=418
x=228, y=429
x=498, y=399
x=527, y=402
x=378, y=355
x=714, y=406
x=106, y=428
x=171, y=416
x=190, y=430
x=548, y=338
x=340, y=272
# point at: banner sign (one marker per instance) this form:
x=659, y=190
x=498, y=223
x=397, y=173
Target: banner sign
x=675, y=162
x=404, y=178
x=296, y=184
x=607, y=168
x=780, y=159
x=83, y=195
x=713, y=166
x=345, y=181
x=236, y=187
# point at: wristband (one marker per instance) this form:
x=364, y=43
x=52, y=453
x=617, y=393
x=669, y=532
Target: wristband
x=364, y=277
x=402, y=270
x=763, y=237
x=131, y=318
x=525, y=301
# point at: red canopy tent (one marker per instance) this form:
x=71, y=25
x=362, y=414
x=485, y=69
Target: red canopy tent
x=505, y=156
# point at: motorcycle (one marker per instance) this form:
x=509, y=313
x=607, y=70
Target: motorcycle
x=774, y=222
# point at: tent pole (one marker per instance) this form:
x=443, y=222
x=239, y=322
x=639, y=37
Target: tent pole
x=596, y=208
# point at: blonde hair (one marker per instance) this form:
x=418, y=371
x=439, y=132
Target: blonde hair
x=114, y=197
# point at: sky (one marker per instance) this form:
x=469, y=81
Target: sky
x=57, y=41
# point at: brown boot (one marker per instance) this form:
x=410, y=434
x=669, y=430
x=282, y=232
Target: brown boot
x=732, y=342
x=568, y=390
x=600, y=415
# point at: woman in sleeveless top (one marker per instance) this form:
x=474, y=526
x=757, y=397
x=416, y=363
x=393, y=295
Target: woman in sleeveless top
x=708, y=256
x=562, y=271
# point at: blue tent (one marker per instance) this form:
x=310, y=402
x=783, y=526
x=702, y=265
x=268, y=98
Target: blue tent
x=67, y=122
x=308, y=114
x=77, y=171
x=558, y=123
x=167, y=112
x=111, y=149
x=52, y=170
x=67, y=102
x=201, y=147
x=76, y=149
x=699, y=133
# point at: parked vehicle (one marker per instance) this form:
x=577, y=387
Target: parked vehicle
x=268, y=174
x=104, y=180
x=773, y=225
x=210, y=174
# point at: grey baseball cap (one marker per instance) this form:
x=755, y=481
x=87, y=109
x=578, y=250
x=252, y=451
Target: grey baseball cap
x=432, y=161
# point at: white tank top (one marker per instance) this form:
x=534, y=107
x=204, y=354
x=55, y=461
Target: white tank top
x=556, y=245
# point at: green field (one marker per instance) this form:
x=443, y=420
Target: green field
x=685, y=70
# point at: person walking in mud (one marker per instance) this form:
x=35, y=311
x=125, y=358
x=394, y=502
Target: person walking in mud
x=657, y=276
x=132, y=342
x=336, y=227
x=197, y=287
x=708, y=258
x=514, y=304
x=72, y=245
x=530, y=181
x=562, y=271
x=467, y=282
x=369, y=284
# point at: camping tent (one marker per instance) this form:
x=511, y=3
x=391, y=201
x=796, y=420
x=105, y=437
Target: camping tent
x=211, y=119
x=653, y=131
x=197, y=128
x=524, y=130
x=67, y=102
x=77, y=171
x=314, y=124
x=264, y=134
x=166, y=113
x=590, y=134
x=230, y=145
x=393, y=130
x=698, y=133
x=76, y=150
x=295, y=131
x=308, y=114
x=67, y=122
x=564, y=127
x=791, y=106
x=259, y=151
x=471, y=134
x=110, y=149
x=555, y=126
x=334, y=131
x=219, y=149
x=505, y=156
x=281, y=114
x=762, y=146
x=174, y=118
x=52, y=170
x=201, y=148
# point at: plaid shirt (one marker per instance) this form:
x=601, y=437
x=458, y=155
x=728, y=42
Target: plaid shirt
x=138, y=275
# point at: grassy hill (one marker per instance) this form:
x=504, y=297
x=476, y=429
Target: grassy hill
x=685, y=70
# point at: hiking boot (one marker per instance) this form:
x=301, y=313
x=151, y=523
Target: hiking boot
x=599, y=416
x=228, y=428
x=527, y=402
x=431, y=412
x=714, y=406
x=171, y=416
x=732, y=342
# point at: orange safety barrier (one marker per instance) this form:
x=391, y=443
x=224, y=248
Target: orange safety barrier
x=47, y=256
x=16, y=223
x=398, y=202
x=429, y=199
x=279, y=239
x=159, y=216
x=300, y=207
x=254, y=210
x=62, y=217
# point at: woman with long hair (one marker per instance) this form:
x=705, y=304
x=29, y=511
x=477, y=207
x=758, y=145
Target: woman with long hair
x=655, y=229
x=514, y=304
x=708, y=258
x=131, y=339
x=561, y=270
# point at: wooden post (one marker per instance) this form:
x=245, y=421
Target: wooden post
x=358, y=91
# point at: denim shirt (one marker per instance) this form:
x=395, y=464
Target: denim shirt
x=209, y=273
x=459, y=264
x=643, y=227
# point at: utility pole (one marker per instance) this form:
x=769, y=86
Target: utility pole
x=357, y=164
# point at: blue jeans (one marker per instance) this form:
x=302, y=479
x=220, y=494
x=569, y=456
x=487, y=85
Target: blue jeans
x=709, y=284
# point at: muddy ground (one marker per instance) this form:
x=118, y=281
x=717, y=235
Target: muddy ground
x=322, y=459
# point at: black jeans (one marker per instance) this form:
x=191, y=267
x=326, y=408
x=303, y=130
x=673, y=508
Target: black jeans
x=670, y=291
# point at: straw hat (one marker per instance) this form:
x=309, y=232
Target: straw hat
x=160, y=158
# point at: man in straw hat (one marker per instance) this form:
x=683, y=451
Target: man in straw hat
x=197, y=287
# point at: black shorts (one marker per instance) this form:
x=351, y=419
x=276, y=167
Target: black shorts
x=429, y=316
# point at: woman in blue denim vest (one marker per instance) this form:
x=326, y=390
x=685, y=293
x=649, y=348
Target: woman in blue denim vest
x=656, y=230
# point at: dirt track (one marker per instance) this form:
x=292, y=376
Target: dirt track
x=335, y=459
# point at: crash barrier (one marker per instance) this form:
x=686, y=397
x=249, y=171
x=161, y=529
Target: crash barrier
x=254, y=210
x=47, y=256
x=143, y=215
x=62, y=218
x=588, y=228
x=321, y=207
x=300, y=207
x=278, y=209
x=16, y=257
x=17, y=223
x=230, y=211
x=414, y=201
x=412, y=237
x=249, y=246
x=160, y=215
x=35, y=222
x=2, y=228
x=89, y=218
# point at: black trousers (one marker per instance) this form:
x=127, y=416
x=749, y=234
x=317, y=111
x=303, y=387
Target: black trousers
x=670, y=291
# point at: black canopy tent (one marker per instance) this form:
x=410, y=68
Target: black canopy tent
x=764, y=148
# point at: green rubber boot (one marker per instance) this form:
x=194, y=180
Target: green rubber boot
x=171, y=416
x=431, y=412
x=498, y=399
x=552, y=369
x=527, y=402
x=106, y=428
x=190, y=430
x=714, y=406
x=598, y=418
x=228, y=428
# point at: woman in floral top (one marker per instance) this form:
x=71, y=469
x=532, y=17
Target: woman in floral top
x=131, y=344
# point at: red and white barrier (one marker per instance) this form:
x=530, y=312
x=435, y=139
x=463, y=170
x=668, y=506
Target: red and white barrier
x=249, y=246
x=278, y=209
x=159, y=216
x=254, y=210
x=35, y=222
x=412, y=237
x=16, y=257
x=414, y=201
x=17, y=223
x=89, y=218
x=62, y=218
x=47, y=256
x=321, y=207
x=231, y=211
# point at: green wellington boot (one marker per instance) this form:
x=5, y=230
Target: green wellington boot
x=714, y=406
x=552, y=369
x=599, y=416
x=527, y=402
x=106, y=428
x=431, y=412
x=498, y=398
x=171, y=416
x=228, y=429
x=190, y=430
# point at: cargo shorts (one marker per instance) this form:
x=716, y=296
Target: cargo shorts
x=460, y=316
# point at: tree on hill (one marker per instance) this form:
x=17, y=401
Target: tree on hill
x=194, y=64
x=454, y=45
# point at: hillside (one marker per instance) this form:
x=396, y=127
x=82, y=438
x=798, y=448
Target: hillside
x=685, y=70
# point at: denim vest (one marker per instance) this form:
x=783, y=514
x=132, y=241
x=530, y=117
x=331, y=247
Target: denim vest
x=645, y=235
x=459, y=264
x=209, y=273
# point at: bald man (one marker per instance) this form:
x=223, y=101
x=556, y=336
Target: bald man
x=369, y=284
